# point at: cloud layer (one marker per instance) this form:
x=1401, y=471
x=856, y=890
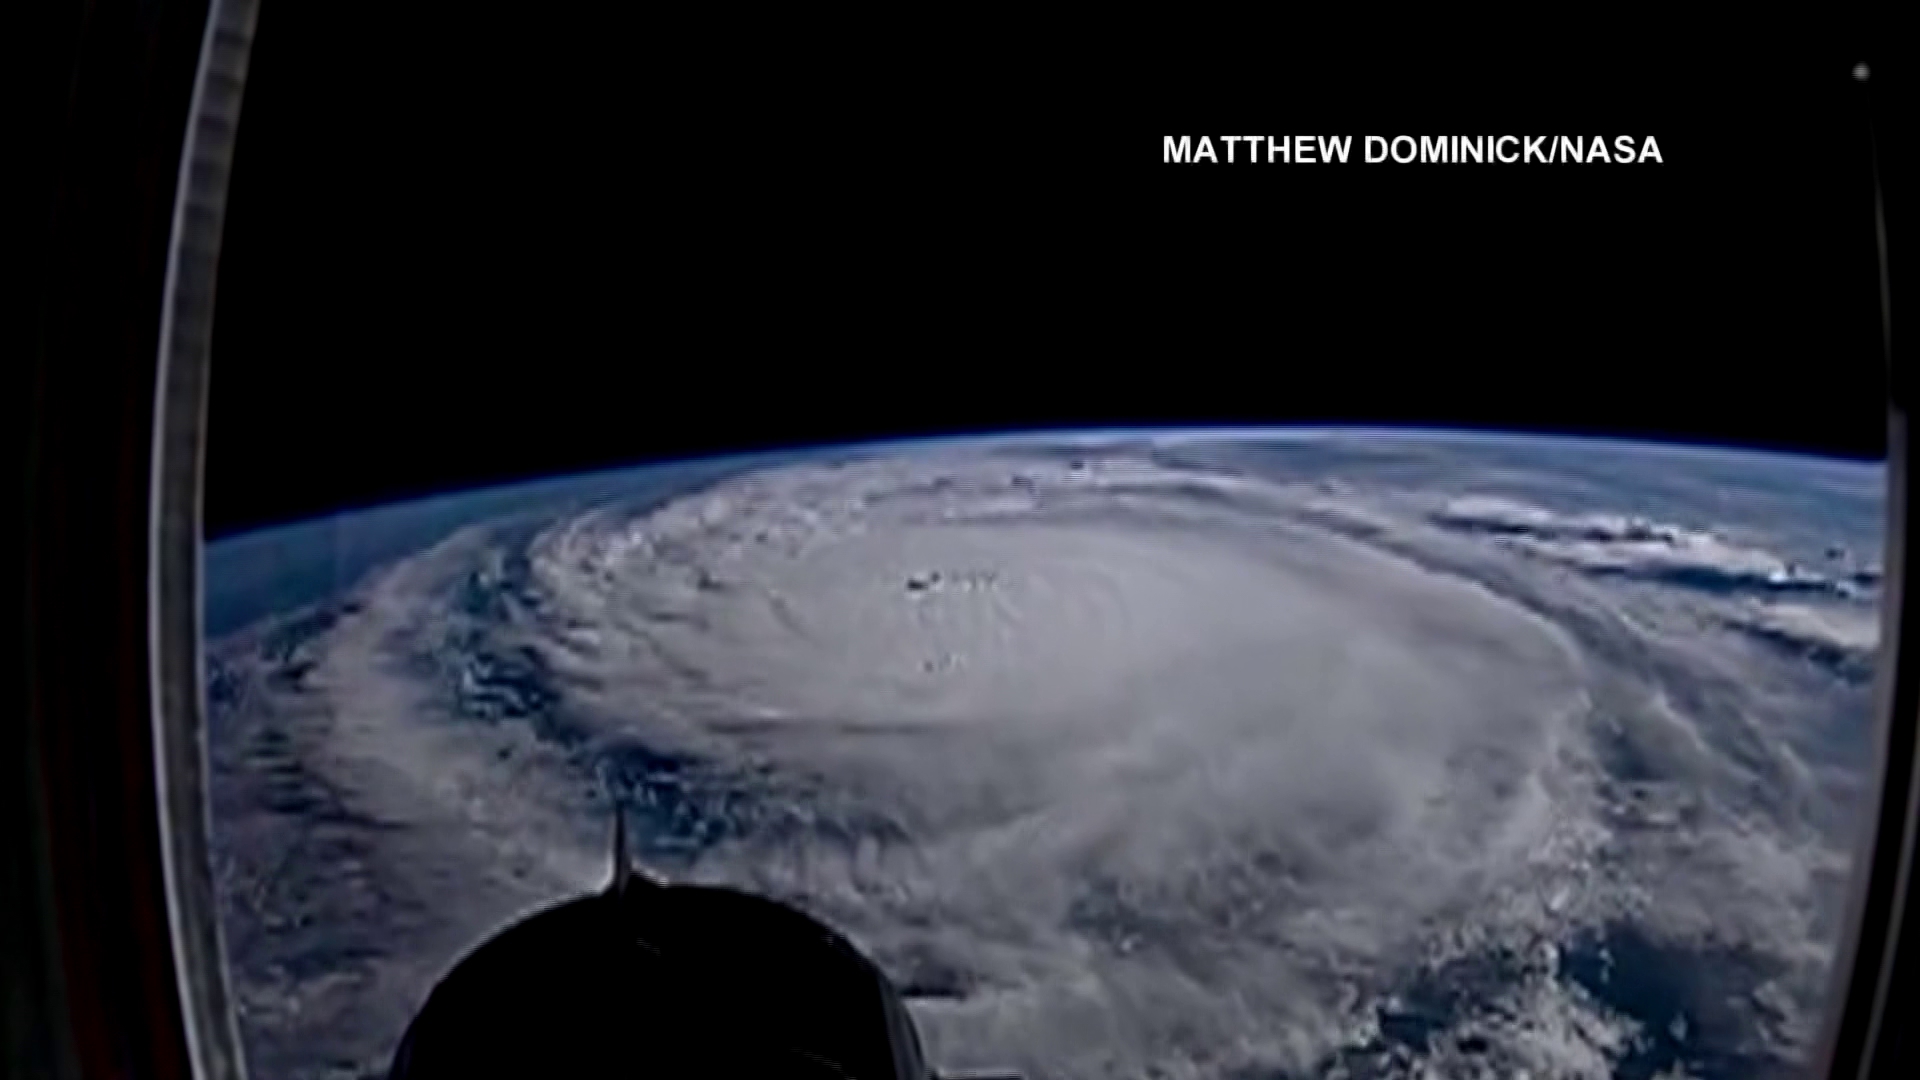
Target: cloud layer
x=1637, y=547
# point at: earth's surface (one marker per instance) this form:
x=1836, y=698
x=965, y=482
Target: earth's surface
x=1209, y=755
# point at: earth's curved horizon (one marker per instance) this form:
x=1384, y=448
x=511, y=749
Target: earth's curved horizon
x=1235, y=754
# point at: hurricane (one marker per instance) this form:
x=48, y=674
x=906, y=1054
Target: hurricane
x=1208, y=755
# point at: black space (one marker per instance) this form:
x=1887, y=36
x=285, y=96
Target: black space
x=460, y=254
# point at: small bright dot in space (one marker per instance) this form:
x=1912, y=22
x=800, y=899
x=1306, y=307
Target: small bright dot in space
x=1860, y=72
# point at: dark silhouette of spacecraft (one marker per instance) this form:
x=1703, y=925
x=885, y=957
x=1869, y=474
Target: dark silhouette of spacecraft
x=650, y=979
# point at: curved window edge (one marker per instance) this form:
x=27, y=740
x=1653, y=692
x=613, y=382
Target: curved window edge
x=1871, y=968
x=174, y=552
